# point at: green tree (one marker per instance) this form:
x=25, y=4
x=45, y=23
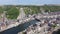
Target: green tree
x=12, y=13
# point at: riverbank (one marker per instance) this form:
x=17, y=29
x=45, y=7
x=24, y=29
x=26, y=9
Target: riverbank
x=19, y=28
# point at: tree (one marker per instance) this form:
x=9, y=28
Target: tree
x=12, y=13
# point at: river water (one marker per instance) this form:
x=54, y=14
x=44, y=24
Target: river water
x=19, y=28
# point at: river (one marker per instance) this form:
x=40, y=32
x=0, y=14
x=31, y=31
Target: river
x=19, y=28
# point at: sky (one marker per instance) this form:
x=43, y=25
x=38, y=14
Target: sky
x=28, y=2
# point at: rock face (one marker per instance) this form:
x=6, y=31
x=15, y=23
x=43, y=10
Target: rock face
x=22, y=14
